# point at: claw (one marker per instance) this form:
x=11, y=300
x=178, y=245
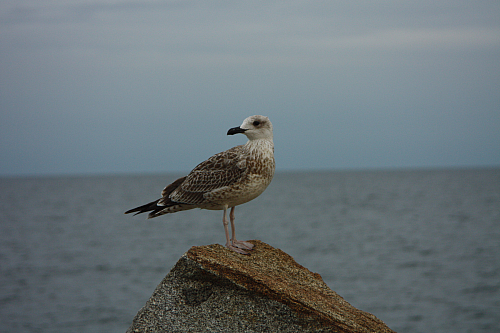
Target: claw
x=236, y=249
x=242, y=244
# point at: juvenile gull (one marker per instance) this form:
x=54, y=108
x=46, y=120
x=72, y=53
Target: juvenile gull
x=226, y=180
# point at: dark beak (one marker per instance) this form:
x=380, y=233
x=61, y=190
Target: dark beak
x=235, y=130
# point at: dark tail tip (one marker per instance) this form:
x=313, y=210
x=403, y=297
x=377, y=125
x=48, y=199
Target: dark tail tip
x=144, y=208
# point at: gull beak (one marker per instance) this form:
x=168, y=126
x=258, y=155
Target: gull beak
x=235, y=130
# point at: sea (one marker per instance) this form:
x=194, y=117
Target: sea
x=419, y=249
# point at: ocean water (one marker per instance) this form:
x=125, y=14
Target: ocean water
x=420, y=249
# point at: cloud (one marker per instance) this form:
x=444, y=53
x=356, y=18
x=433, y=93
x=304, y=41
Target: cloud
x=80, y=78
x=397, y=39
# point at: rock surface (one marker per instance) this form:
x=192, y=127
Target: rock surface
x=212, y=289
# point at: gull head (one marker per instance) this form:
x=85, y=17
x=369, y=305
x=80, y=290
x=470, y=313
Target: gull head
x=254, y=127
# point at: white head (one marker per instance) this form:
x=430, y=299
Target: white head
x=254, y=127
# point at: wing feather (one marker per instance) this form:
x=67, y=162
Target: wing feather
x=222, y=169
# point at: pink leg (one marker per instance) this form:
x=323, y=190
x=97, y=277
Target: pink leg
x=241, y=244
x=229, y=244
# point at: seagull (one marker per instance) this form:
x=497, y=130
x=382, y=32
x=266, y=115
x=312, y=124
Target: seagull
x=225, y=180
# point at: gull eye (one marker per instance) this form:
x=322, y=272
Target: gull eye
x=256, y=123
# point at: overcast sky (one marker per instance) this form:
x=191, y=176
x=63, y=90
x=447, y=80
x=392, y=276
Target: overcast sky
x=112, y=86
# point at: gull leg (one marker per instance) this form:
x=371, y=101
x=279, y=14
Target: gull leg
x=229, y=244
x=241, y=244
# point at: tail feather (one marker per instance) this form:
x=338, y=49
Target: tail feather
x=145, y=208
x=154, y=208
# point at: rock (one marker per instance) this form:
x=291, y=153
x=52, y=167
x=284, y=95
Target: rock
x=213, y=289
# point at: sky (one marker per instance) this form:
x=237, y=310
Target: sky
x=118, y=87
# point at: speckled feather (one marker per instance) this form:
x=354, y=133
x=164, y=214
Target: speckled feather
x=222, y=169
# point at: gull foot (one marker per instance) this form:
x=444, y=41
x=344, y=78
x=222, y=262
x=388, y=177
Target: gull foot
x=236, y=249
x=242, y=244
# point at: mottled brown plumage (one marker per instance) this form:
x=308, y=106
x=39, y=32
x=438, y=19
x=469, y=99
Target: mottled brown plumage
x=225, y=180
